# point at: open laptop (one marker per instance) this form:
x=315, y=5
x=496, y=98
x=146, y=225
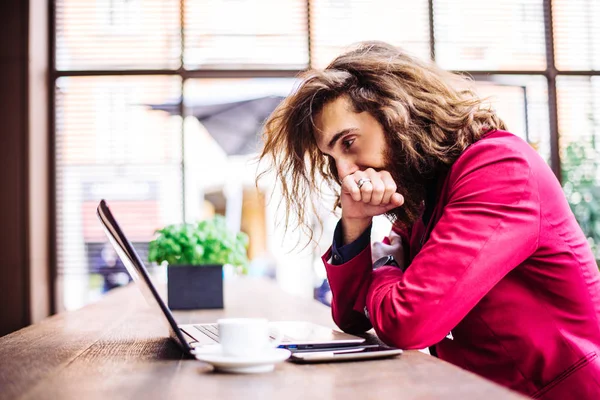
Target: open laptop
x=297, y=335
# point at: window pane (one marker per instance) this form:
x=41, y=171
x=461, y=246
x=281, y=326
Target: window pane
x=103, y=34
x=223, y=175
x=222, y=132
x=246, y=34
x=110, y=145
x=578, y=108
x=336, y=24
x=521, y=101
x=490, y=35
x=576, y=34
x=579, y=129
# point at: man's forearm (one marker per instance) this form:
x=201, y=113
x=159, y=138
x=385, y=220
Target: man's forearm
x=354, y=227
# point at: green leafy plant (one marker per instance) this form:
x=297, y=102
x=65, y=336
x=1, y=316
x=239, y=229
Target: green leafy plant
x=581, y=184
x=208, y=242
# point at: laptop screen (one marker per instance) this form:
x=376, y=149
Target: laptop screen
x=138, y=272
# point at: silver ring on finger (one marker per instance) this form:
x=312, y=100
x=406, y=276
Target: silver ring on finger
x=362, y=181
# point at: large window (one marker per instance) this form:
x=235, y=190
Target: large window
x=142, y=89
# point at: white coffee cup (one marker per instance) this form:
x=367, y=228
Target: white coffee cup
x=246, y=337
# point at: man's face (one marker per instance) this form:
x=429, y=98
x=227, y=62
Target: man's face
x=354, y=141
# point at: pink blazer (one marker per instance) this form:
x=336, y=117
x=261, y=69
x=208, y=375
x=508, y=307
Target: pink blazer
x=505, y=269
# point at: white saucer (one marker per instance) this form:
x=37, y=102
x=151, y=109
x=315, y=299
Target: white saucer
x=264, y=362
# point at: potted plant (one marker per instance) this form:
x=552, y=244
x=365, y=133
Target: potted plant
x=195, y=255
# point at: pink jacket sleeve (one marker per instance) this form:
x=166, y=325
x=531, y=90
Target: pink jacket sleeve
x=349, y=283
x=489, y=225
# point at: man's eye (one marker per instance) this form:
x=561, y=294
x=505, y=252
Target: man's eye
x=347, y=143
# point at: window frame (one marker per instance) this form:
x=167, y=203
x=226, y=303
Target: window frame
x=550, y=73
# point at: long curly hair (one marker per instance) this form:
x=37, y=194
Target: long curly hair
x=428, y=115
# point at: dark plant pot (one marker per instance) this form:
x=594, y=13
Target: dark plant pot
x=195, y=286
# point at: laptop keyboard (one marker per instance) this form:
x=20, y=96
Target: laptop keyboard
x=212, y=331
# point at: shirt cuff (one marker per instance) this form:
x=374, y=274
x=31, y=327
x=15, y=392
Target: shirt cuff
x=343, y=254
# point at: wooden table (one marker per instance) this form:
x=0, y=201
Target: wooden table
x=118, y=349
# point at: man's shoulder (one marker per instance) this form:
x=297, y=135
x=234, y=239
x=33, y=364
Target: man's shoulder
x=498, y=146
x=509, y=143
x=497, y=152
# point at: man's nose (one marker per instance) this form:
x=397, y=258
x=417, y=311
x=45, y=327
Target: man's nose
x=345, y=168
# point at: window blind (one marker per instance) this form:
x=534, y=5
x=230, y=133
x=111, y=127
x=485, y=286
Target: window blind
x=576, y=34
x=578, y=109
x=336, y=24
x=117, y=34
x=490, y=35
x=269, y=34
x=110, y=145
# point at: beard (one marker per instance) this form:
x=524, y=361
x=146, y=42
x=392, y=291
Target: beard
x=411, y=184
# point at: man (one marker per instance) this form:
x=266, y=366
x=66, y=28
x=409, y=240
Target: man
x=495, y=274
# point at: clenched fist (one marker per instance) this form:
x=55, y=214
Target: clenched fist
x=375, y=196
x=364, y=195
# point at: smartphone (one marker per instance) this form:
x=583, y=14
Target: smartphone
x=359, y=353
x=337, y=349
